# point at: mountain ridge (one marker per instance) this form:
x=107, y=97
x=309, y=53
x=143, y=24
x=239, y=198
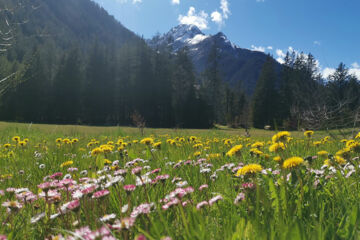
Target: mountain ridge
x=237, y=65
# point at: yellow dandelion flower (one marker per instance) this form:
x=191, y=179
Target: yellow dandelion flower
x=96, y=151
x=227, y=142
x=344, y=153
x=327, y=162
x=249, y=169
x=107, y=148
x=256, y=152
x=107, y=161
x=357, y=136
x=292, y=162
x=277, y=159
x=281, y=136
x=349, y=143
x=308, y=134
x=277, y=147
x=199, y=145
x=157, y=145
x=317, y=143
x=7, y=145
x=326, y=139
x=196, y=154
x=16, y=139
x=323, y=153
x=355, y=146
x=192, y=138
x=65, y=164
x=234, y=150
x=147, y=141
x=340, y=160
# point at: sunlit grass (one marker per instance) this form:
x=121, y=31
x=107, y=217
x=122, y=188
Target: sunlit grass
x=112, y=183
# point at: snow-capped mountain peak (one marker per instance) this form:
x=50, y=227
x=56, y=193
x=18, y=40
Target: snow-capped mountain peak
x=179, y=37
x=184, y=32
x=235, y=64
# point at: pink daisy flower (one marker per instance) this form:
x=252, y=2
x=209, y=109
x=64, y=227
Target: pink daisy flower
x=101, y=194
x=201, y=204
x=73, y=205
x=215, y=199
x=56, y=175
x=202, y=187
x=136, y=170
x=129, y=188
x=155, y=170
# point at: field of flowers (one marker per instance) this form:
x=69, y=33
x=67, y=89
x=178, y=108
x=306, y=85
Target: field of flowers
x=178, y=186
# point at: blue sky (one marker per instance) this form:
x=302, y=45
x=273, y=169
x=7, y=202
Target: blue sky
x=329, y=29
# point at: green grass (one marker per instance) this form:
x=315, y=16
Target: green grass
x=307, y=204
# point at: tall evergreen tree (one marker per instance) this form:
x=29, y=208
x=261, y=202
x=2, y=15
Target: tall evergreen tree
x=66, y=91
x=214, y=87
x=266, y=98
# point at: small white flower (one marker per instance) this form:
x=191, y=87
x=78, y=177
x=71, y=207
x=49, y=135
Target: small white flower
x=182, y=184
x=125, y=208
x=108, y=217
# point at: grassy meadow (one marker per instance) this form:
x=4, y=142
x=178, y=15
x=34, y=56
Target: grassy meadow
x=78, y=182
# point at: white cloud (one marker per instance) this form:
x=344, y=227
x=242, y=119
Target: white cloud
x=270, y=48
x=175, y=2
x=224, y=5
x=327, y=72
x=197, y=19
x=260, y=0
x=317, y=43
x=216, y=17
x=136, y=1
x=258, y=49
x=219, y=17
x=355, y=70
x=355, y=65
